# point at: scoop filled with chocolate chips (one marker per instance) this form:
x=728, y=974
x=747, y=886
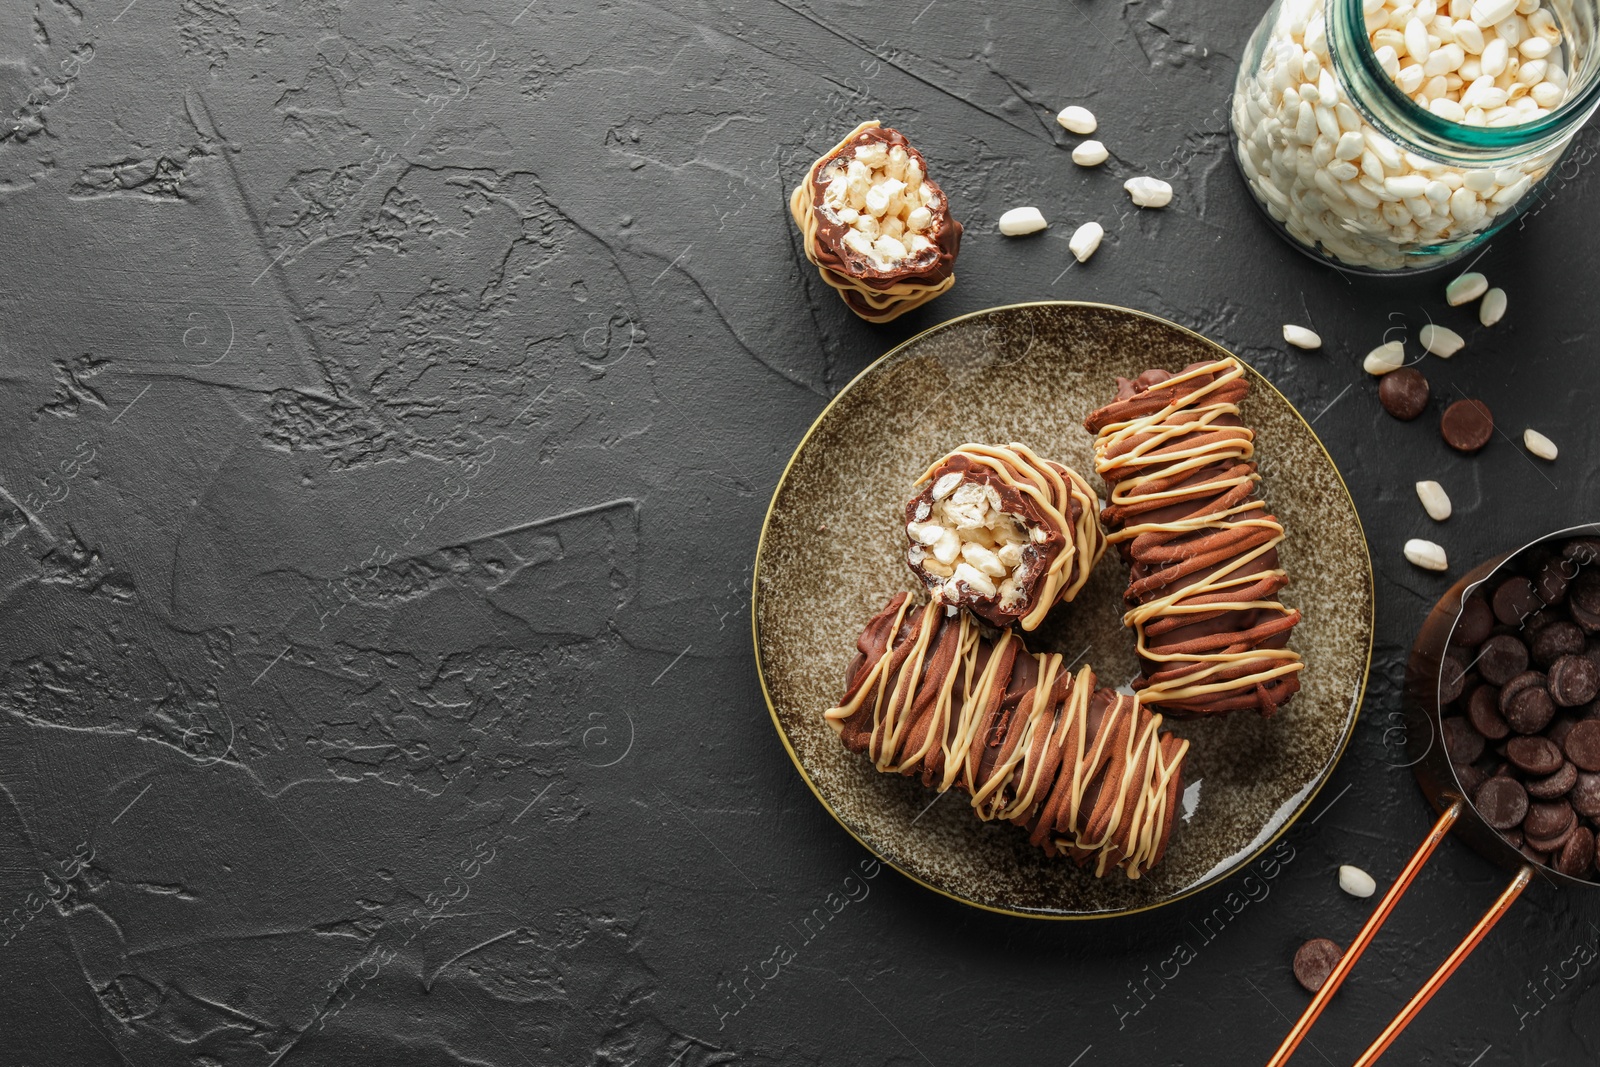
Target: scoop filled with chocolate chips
x=1503, y=731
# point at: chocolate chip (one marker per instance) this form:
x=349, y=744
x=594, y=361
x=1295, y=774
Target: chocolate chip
x=1502, y=802
x=1557, y=640
x=1550, y=583
x=1403, y=393
x=1584, y=592
x=1585, y=795
x=1583, y=745
x=1531, y=711
x=1525, y=680
x=1535, y=755
x=1502, y=658
x=1474, y=624
x=1574, y=680
x=1314, y=961
x=1470, y=777
x=1581, y=550
x=1452, y=677
x=1514, y=600
x=1467, y=425
x=1589, y=620
x=1577, y=855
x=1555, y=785
x=1560, y=728
x=1513, y=837
x=1547, y=819
x=1461, y=741
x=1483, y=709
x=1533, y=854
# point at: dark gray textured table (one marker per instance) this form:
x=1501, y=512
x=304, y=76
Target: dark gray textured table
x=393, y=395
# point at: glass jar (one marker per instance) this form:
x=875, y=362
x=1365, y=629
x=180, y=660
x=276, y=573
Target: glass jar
x=1356, y=172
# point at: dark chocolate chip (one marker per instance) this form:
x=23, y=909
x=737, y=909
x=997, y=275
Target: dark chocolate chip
x=1514, y=600
x=1574, y=680
x=1403, y=393
x=1577, y=855
x=1555, y=785
x=1560, y=728
x=1557, y=640
x=1550, y=583
x=1502, y=658
x=1483, y=709
x=1547, y=819
x=1589, y=620
x=1452, y=677
x=1314, y=961
x=1582, y=550
x=1525, y=680
x=1474, y=624
x=1583, y=745
x=1502, y=802
x=1531, y=710
x=1535, y=755
x=1461, y=741
x=1513, y=837
x=1585, y=592
x=1585, y=795
x=1471, y=777
x=1467, y=425
x=1533, y=854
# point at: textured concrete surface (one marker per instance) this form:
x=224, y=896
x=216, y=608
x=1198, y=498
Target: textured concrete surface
x=393, y=394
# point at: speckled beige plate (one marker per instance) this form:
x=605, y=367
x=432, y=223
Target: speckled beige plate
x=831, y=556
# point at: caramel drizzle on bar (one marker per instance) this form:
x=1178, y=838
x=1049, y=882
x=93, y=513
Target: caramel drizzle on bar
x=1047, y=764
x=1143, y=460
x=880, y=304
x=1054, y=489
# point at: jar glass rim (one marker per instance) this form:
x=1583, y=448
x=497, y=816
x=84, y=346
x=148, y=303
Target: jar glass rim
x=1432, y=135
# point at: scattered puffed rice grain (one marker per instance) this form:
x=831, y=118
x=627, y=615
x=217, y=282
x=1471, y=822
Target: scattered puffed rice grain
x=1435, y=501
x=1022, y=220
x=1356, y=882
x=1493, y=308
x=1301, y=337
x=1440, y=340
x=1466, y=289
x=1385, y=358
x=1090, y=154
x=1077, y=119
x=1426, y=554
x=1085, y=239
x=1539, y=444
x=1148, y=192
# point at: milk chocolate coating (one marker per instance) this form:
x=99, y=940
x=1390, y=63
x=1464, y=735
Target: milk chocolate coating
x=1215, y=649
x=1083, y=807
x=908, y=284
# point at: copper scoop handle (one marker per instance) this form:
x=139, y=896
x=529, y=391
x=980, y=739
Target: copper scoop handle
x=1446, y=819
x=1447, y=968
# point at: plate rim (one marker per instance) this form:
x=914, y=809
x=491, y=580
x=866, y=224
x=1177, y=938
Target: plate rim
x=1207, y=883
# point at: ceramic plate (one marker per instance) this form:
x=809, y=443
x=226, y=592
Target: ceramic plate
x=831, y=555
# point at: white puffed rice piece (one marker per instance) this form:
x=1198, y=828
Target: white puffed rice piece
x=1440, y=340
x=1022, y=220
x=1387, y=357
x=1435, y=501
x=1427, y=555
x=1493, y=308
x=1539, y=444
x=1090, y=154
x=1301, y=337
x=1146, y=191
x=1356, y=882
x=1077, y=119
x=1085, y=239
x=1466, y=289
